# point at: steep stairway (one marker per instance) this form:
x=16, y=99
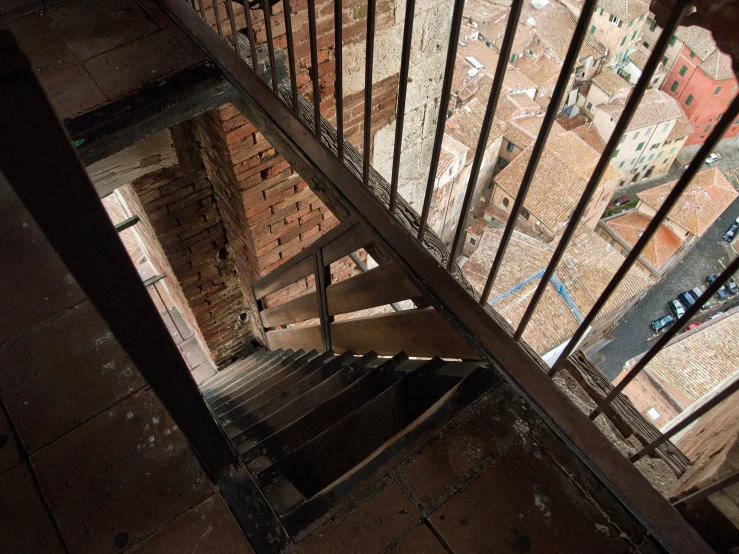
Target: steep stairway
x=316, y=429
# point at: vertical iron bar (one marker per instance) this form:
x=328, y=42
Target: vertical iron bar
x=708, y=491
x=487, y=122
x=232, y=21
x=405, y=64
x=314, y=66
x=267, y=9
x=217, y=15
x=338, y=84
x=251, y=35
x=291, y=53
x=732, y=268
x=446, y=92
x=323, y=279
x=707, y=407
x=568, y=66
x=368, y=66
x=621, y=126
x=697, y=162
x=202, y=10
x=192, y=3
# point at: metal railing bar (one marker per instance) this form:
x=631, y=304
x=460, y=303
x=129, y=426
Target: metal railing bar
x=291, y=53
x=232, y=21
x=487, y=122
x=709, y=490
x=314, y=66
x=252, y=38
x=443, y=107
x=217, y=15
x=127, y=223
x=368, y=66
x=192, y=3
x=267, y=10
x=707, y=407
x=568, y=66
x=712, y=289
x=600, y=168
x=718, y=131
x=363, y=267
x=200, y=6
x=339, y=83
x=405, y=64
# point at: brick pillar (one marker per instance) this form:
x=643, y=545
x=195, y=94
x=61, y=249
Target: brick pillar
x=180, y=204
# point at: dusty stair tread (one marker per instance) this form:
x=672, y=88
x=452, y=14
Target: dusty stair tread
x=257, y=394
x=305, y=515
x=314, y=422
x=256, y=371
x=223, y=395
x=232, y=370
x=355, y=436
x=349, y=370
x=242, y=370
x=319, y=369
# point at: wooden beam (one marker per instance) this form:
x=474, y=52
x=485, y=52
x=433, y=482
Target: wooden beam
x=146, y=156
x=421, y=333
x=381, y=285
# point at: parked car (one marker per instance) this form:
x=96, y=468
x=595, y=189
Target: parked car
x=663, y=323
x=621, y=201
x=687, y=298
x=697, y=294
x=723, y=291
x=730, y=233
x=713, y=158
x=714, y=316
x=692, y=326
x=677, y=309
x=732, y=286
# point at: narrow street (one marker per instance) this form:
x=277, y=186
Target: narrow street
x=710, y=254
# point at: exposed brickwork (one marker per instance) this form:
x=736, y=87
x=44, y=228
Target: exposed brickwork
x=180, y=205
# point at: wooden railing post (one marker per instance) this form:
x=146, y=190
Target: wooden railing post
x=323, y=279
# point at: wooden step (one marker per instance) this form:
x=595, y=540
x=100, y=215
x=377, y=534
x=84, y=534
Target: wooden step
x=254, y=396
x=305, y=515
x=234, y=369
x=247, y=381
x=247, y=367
x=319, y=393
x=314, y=422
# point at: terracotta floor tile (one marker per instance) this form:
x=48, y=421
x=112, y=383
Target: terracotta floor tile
x=420, y=541
x=25, y=527
x=100, y=26
x=207, y=529
x=129, y=67
x=71, y=91
x=121, y=475
x=61, y=373
x=369, y=528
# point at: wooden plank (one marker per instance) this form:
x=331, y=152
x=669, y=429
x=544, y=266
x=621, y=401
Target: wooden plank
x=146, y=156
x=422, y=333
x=233, y=371
x=379, y=286
x=322, y=272
x=264, y=361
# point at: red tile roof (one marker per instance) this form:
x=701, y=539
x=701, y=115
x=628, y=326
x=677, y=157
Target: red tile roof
x=660, y=247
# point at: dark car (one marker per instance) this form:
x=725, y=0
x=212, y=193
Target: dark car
x=730, y=234
x=723, y=291
x=676, y=307
x=732, y=286
x=687, y=298
x=697, y=294
x=620, y=201
x=663, y=323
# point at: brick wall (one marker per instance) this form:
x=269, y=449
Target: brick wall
x=180, y=204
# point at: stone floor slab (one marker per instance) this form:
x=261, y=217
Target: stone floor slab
x=10, y=452
x=71, y=91
x=419, y=541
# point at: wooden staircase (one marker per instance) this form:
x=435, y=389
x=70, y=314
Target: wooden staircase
x=315, y=430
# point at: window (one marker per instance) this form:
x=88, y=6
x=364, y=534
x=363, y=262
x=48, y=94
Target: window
x=615, y=153
x=653, y=26
x=623, y=138
x=654, y=146
x=621, y=164
x=719, y=116
x=590, y=106
x=633, y=160
x=734, y=89
x=592, y=29
x=636, y=135
x=659, y=155
x=674, y=86
x=664, y=60
x=651, y=156
x=473, y=242
x=646, y=45
x=615, y=20
x=641, y=18
x=718, y=89
x=510, y=146
x=641, y=159
x=708, y=128
x=513, y=58
x=673, y=40
x=683, y=70
x=506, y=202
x=623, y=41
x=450, y=170
x=672, y=150
x=631, y=23
x=736, y=122
x=667, y=126
x=640, y=146
x=689, y=99
x=525, y=213
x=692, y=54
x=633, y=36
x=617, y=58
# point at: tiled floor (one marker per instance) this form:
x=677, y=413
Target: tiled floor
x=90, y=52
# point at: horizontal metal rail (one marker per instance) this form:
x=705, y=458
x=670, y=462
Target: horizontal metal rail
x=126, y=223
x=708, y=491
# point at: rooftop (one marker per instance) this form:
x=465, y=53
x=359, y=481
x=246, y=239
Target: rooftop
x=693, y=364
x=682, y=128
x=659, y=249
x=718, y=66
x=655, y=107
x=543, y=71
x=705, y=199
x=465, y=126
x=611, y=82
x=698, y=39
x=627, y=10
x=564, y=169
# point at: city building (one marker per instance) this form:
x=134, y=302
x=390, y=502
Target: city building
x=563, y=172
x=655, y=134
x=635, y=65
x=519, y=133
x=616, y=24
x=604, y=88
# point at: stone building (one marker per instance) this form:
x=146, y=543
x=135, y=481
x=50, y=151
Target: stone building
x=617, y=24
